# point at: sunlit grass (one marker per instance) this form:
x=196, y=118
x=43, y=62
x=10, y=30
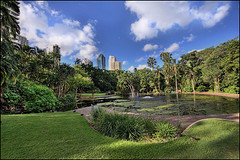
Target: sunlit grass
x=68, y=135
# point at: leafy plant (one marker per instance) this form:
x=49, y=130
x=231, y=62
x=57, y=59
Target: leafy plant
x=201, y=88
x=164, y=131
x=68, y=102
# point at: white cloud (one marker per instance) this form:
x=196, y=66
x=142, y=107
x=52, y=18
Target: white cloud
x=67, y=33
x=142, y=66
x=211, y=13
x=124, y=62
x=161, y=16
x=140, y=59
x=71, y=22
x=172, y=48
x=149, y=47
x=190, y=38
x=131, y=69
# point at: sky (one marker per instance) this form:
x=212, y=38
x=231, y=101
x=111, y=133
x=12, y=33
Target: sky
x=130, y=31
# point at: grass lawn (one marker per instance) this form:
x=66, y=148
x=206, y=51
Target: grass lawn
x=68, y=135
x=90, y=94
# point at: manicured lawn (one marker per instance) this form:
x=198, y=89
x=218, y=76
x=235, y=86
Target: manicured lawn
x=90, y=94
x=68, y=135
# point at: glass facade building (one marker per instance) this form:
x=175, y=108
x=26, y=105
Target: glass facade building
x=101, y=63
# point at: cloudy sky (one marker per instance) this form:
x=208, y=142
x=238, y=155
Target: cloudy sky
x=130, y=31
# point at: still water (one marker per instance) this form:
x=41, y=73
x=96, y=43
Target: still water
x=172, y=104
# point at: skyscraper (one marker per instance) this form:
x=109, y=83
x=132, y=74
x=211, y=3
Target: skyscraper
x=113, y=63
x=101, y=63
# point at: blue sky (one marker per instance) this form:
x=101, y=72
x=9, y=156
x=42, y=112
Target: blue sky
x=130, y=31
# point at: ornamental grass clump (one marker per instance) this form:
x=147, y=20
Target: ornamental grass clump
x=122, y=126
x=118, y=125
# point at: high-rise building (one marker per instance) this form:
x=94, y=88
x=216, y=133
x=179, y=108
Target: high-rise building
x=87, y=62
x=113, y=63
x=118, y=65
x=22, y=40
x=101, y=63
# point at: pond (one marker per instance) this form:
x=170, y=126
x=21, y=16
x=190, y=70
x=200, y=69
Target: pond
x=171, y=104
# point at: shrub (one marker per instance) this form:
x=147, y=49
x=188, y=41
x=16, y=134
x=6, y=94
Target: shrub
x=118, y=125
x=164, y=131
x=37, y=98
x=68, y=102
x=29, y=96
x=188, y=89
x=201, y=89
x=167, y=90
x=232, y=89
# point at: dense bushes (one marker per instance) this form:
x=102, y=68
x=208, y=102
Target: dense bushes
x=29, y=96
x=201, y=88
x=131, y=128
x=232, y=89
x=68, y=103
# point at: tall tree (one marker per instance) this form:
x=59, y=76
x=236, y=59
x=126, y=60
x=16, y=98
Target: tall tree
x=151, y=62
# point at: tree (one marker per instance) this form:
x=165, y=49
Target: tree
x=9, y=27
x=9, y=17
x=166, y=57
x=151, y=62
x=128, y=80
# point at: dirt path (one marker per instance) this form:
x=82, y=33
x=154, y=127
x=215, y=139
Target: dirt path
x=186, y=120
x=216, y=94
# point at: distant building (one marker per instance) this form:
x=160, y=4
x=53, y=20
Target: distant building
x=57, y=56
x=118, y=65
x=54, y=48
x=113, y=63
x=22, y=40
x=87, y=62
x=101, y=63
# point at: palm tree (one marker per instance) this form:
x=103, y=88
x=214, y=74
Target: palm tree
x=9, y=12
x=9, y=17
x=151, y=62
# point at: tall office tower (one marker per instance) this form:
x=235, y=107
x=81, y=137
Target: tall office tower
x=87, y=62
x=101, y=63
x=111, y=63
x=118, y=65
x=22, y=40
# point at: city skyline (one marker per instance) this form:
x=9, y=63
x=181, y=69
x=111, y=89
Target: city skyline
x=131, y=31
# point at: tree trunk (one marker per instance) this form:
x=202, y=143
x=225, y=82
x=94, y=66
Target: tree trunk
x=216, y=85
x=193, y=85
x=175, y=69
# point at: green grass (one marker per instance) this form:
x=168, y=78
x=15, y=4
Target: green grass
x=90, y=94
x=68, y=135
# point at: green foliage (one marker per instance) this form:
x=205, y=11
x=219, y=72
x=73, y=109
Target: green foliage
x=164, y=131
x=68, y=102
x=118, y=125
x=122, y=126
x=201, y=89
x=232, y=89
x=12, y=98
x=37, y=98
x=30, y=96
